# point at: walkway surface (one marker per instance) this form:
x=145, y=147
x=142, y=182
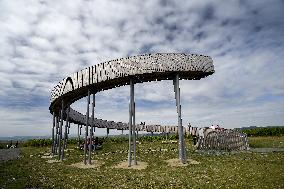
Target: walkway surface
x=265, y=150
x=9, y=154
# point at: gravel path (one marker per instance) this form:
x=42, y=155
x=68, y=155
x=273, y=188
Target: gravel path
x=9, y=154
x=266, y=150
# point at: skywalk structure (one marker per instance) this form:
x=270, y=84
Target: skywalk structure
x=115, y=73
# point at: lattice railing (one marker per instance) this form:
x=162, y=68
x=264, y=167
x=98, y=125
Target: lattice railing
x=226, y=140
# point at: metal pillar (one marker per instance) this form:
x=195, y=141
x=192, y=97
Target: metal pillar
x=68, y=130
x=60, y=130
x=78, y=142
x=182, y=153
x=134, y=130
x=56, y=135
x=65, y=134
x=53, y=141
x=130, y=136
x=86, y=129
x=91, y=130
x=130, y=120
x=137, y=135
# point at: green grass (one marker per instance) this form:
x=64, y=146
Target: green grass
x=266, y=142
x=241, y=170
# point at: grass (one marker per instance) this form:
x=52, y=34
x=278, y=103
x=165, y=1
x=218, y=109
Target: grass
x=240, y=170
x=266, y=142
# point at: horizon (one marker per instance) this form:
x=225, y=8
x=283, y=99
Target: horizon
x=125, y=133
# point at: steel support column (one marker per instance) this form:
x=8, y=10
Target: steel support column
x=68, y=130
x=130, y=137
x=182, y=153
x=56, y=135
x=65, y=134
x=53, y=141
x=78, y=142
x=86, y=129
x=134, y=130
x=91, y=130
x=130, y=121
x=60, y=129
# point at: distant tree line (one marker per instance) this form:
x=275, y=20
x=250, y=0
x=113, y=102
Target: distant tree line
x=113, y=139
x=43, y=142
x=265, y=131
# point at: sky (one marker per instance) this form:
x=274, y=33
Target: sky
x=41, y=42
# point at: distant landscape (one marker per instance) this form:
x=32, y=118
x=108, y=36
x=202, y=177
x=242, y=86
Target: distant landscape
x=248, y=130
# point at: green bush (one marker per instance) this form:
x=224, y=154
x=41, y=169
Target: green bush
x=117, y=139
x=45, y=142
x=37, y=142
x=265, y=131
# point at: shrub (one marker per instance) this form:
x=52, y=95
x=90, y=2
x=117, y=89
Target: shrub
x=265, y=131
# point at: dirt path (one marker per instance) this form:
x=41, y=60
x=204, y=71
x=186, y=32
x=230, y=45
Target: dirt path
x=266, y=150
x=9, y=154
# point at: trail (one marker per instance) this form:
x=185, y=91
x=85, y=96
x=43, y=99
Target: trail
x=9, y=154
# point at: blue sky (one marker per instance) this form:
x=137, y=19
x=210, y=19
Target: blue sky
x=44, y=41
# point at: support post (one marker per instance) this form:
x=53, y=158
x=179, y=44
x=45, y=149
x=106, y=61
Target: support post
x=134, y=129
x=86, y=129
x=65, y=133
x=78, y=140
x=68, y=131
x=130, y=121
x=137, y=135
x=130, y=137
x=57, y=135
x=60, y=129
x=53, y=141
x=182, y=154
x=91, y=130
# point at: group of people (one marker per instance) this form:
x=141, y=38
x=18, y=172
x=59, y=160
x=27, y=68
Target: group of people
x=96, y=144
x=11, y=145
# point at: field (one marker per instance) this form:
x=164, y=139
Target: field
x=230, y=170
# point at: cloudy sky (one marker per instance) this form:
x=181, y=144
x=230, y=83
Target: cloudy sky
x=41, y=42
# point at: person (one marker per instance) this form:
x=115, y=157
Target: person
x=194, y=137
x=10, y=145
x=96, y=143
x=194, y=134
x=88, y=143
x=16, y=145
x=200, y=136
